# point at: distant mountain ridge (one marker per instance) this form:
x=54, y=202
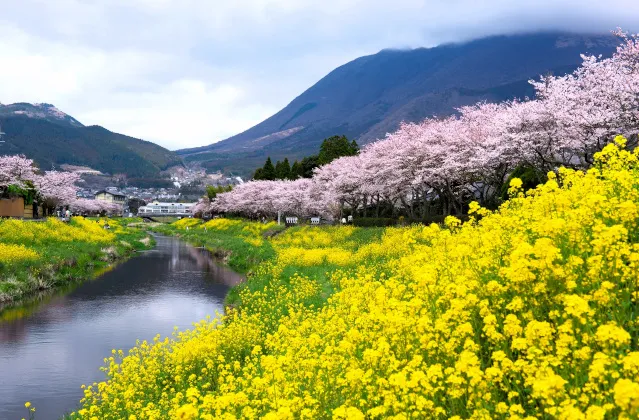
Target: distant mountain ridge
x=369, y=96
x=40, y=111
x=52, y=138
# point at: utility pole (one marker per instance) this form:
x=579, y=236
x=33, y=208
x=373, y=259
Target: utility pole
x=278, y=217
x=1, y=134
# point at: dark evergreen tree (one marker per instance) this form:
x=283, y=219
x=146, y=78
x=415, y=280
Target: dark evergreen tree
x=529, y=175
x=134, y=204
x=268, y=171
x=258, y=176
x=332, y=148
x=296, y=170
x=283, y=169
x=307, y=165
x=335, y=147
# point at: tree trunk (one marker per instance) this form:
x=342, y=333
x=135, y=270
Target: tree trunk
x=365, y=205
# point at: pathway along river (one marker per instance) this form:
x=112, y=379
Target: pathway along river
x=47, y=355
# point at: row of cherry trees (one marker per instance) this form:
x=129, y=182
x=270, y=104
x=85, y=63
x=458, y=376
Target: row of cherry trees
x=440, y=164
x=51, y=189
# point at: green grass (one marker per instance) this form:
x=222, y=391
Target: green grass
x=232, y=246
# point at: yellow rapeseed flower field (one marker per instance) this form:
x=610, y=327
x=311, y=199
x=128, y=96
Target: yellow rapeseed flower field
x=35, y=255
x=221, y=224
x=186, y=222
x=13, y=253
x=20, y=240
x=53, y=230
x=523, y=313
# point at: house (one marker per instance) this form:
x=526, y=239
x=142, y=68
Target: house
x=111, y=197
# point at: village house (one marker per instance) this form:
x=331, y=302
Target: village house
x=111, y=197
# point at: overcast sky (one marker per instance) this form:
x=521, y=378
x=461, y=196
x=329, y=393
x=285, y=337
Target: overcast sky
x=185, y=73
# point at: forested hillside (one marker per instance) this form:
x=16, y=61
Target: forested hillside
x=52, y=138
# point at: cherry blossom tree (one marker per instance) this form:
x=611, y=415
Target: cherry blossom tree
x=202, y=206
x=576, y=115
x=52, y=188
x=16, y=170
x=89, y=207
x=56, y=189
x=440, y=164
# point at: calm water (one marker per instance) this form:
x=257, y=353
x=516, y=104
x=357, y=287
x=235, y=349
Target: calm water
x=45, y=356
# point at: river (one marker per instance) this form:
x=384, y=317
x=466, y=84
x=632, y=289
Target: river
x=47, y=354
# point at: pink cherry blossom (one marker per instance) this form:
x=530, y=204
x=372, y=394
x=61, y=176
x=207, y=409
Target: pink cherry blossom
x=16, y=170
x=57, y=188
x=443, y=163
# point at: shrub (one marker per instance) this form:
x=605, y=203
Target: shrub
x=374, y=221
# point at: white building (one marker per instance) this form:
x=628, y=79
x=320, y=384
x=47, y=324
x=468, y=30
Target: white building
x=171, y=209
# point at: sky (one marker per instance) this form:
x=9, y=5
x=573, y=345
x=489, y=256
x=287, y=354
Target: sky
x=185, y=73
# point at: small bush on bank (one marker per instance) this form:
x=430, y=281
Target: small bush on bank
x=374, y=221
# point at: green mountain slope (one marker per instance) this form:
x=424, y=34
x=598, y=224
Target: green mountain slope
x=369, y=96
x=54, y=138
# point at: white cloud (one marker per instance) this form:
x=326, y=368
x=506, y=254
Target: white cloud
x=183, y=113
x=190, y=72
x=138, y=93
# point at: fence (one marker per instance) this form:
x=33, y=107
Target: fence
x=291, y=220
x=12, y=207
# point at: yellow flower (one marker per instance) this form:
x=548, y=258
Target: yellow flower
x=508, y=316
x=612, y=335
x=627, y=395
x=186, y=412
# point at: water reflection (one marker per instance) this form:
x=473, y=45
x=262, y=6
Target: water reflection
x=46, y=354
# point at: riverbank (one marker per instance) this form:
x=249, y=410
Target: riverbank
x=238, y=243
x=50, y=348
x=529, y=311
x=40, y=256
x=263, y=251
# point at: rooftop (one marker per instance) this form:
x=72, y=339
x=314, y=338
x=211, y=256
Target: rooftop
x=109, y=192
x=158, y=203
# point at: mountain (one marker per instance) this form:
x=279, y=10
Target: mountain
x=52, y=138
x=369, y=96
x=43, y=111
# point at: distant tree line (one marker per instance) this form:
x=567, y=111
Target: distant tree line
x=149, y=182
x=51, y=144
x=213, y=190
x=331, y=148
x=134, y=204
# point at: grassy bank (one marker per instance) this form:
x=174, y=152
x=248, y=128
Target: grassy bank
x=240, y=244
x=527, y=312
x=37, y=256
x=271, y=255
